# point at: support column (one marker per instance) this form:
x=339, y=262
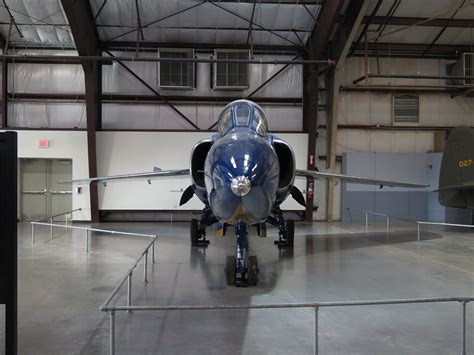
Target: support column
x=81, y=22
x=9, y=239
x=4, y=109
x=310, y=123
x=341, y=44
x=316, y=45
x=332, y=98
x=93, y=90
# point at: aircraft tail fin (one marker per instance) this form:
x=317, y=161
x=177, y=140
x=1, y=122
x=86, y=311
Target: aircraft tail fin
x=456, y=178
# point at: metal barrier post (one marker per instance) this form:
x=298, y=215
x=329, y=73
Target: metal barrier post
x=153, y=251
x=112, y=332
x=51, y=222
x=418, y=227
x=87, y=240
x=32, y=233
x=316, y=330
x=145, y=268
x=388, y=225
x=463, y=328
x=366, y=221
x=67, y=219
x=129, y=290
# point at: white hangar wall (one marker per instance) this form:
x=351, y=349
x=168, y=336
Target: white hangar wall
x=62, y=145
x=370, y=108
x=126, y=152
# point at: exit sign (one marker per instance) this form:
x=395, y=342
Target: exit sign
x=43, y=144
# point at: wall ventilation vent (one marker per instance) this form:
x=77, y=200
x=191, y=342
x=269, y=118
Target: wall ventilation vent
x=463, y=67
x=468, y=67
x=405, y=108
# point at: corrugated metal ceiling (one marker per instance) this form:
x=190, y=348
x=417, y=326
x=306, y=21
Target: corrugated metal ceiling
x=204, y=22
x=43, y=23
x=36, y=19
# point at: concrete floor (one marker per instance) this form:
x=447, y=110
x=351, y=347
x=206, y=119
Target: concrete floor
x=61, y=288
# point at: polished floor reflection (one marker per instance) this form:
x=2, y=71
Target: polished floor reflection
x=61, y=288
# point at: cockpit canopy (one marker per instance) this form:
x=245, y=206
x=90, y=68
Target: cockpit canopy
x=243, y=114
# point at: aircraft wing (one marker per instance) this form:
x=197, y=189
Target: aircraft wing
x=147, y=175
x=456, y=188
x=358, y=179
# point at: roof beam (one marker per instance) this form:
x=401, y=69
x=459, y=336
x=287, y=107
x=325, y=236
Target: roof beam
x=81, y=22
x=348, y=29
x=421, y=21
x=84, y=32
x=279, y=2
x=440, y=33
x=205, y=46
x=317, y=42
x=414, y=49
x=236, y=14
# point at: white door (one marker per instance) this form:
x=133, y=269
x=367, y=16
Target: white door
x=41, y=196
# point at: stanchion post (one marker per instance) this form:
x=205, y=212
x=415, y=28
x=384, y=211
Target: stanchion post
x=316, y=330
x=33, y=233
x=87, y=240
x=145, y=267
x=67, y=220
x=51, y=222
x=463, y=327
x=153, y=251
x=366, y=221
x=129, y=290
x=418, y=228
x=112, y=332
x=388, y=225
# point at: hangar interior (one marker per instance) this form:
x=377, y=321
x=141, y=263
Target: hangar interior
x=360, y=87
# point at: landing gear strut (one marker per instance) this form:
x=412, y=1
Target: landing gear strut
x=198, y=229
x=198, y=234
x=286, y=230
x=241, y=270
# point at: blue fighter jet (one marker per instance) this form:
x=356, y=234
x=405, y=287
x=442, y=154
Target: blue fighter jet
x=242, y=174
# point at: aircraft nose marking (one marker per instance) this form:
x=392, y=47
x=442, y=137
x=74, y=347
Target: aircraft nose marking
x=240, y=185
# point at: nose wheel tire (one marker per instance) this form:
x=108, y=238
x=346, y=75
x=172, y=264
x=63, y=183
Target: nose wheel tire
x=230, y=270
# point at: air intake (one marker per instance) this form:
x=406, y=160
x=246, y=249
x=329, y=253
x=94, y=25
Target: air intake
x=464, y=67
x=405, y=108
x=468, y=67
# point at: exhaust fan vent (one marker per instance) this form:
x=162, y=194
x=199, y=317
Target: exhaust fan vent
x=468, y=68
x=405, y=108
x=464, y=66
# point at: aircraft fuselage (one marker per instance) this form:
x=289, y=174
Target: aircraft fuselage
x=241, y=177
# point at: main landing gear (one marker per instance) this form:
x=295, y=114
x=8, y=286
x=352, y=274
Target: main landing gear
x=198, y=228
x=241, y=270
x=286, y=230
x=198, y=234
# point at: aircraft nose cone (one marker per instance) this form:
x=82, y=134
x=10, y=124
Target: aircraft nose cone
x=240, y=185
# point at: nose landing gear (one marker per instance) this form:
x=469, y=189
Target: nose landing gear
x=241, y=270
